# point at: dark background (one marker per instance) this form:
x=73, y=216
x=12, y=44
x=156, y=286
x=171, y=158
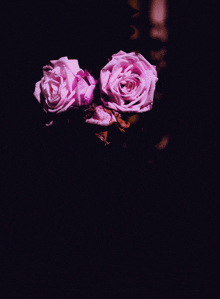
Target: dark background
x=79, y=218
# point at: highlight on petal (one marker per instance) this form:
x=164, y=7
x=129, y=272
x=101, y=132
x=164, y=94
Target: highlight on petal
x=74, y=66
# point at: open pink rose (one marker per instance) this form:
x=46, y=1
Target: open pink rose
x=64, y=85
x=128, y=83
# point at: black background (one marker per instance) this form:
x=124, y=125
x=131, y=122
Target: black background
x=81, y=219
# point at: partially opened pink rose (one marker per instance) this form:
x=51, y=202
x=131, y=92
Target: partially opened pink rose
x=64, y=85
x=128, y=83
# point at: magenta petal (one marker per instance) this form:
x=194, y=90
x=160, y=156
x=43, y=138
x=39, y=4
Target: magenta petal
x=37, y=91
x=82, y=85
x=90, y=78
x=73, y=65
x=89, y=94
x=104, y=78
x=50, y=124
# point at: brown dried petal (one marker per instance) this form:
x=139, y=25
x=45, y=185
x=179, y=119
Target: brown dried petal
x=103, y=136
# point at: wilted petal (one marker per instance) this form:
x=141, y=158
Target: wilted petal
x=50, y=124
x=101, y=117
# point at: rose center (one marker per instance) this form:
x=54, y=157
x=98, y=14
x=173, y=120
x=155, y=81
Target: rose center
x=54, y=87
x=127, y=86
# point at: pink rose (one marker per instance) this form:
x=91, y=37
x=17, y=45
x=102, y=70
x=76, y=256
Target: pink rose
x=128, y=82
x=64, y=85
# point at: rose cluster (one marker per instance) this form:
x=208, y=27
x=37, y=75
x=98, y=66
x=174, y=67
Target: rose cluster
x=127, y=84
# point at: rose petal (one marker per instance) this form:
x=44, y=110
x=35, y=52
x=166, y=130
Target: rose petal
x=73, y=65
x=90, y=78
x=37, y=91
x=104, y=78
x=101, y=117
x=89, y=95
